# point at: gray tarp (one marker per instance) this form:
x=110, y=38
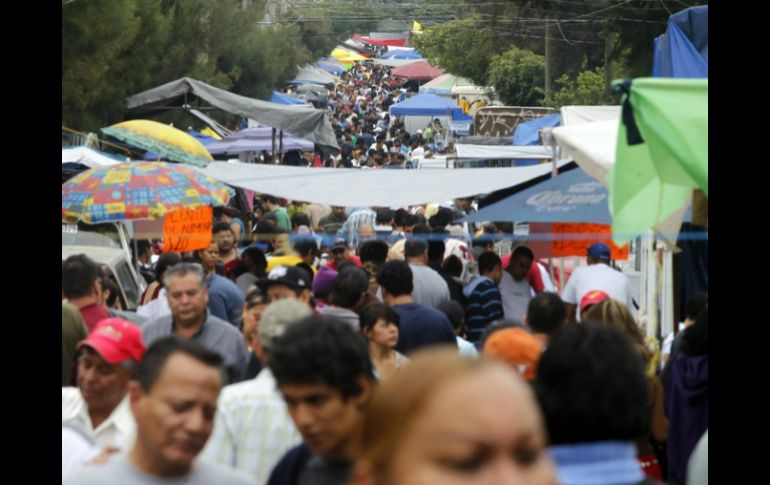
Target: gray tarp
x=364, y=188
x=314, y=75
x=308, y=123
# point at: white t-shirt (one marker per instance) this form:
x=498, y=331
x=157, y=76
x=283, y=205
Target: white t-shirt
x=597, y=277
x=516, y=296
x=418, y=152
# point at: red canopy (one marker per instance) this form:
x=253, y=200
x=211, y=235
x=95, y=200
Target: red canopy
x=417, y=70
x=372, y=40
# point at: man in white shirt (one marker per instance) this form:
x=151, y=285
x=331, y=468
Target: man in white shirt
x=99, y=405
x=429, y=287
x=515, y=290
x=252, y=428
x=598, y=275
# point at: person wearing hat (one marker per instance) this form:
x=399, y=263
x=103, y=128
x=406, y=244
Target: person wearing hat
x=589, y=300
x=287, y=282
x=598, y=275
x=323, y=285
x=99, y=404
x=252, y=427
x=516, y=346
x=341, y=254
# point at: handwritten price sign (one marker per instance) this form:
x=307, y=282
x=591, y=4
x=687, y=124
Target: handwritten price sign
x=187, y=230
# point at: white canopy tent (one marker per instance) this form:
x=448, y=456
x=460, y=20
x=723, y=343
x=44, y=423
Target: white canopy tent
x=502, y=152
x=89, y=157
x=363, y=188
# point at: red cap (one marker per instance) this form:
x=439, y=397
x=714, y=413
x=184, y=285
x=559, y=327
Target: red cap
x=592, y=298
x=116, y=341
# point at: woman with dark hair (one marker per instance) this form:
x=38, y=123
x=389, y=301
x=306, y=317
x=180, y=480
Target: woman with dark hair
x=687, y=397
x=379, y=324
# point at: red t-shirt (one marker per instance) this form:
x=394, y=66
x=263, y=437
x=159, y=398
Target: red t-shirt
x=93, y=314
x=353, y=259
x=534, y=278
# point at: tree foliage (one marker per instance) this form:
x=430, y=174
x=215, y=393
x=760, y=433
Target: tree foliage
x=517, y=76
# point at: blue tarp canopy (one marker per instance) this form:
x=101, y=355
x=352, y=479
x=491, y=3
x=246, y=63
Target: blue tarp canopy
x=330, y=68
x=571, y=196
x=428, y=105
x=402, y=54
x=282, y=98
x=683, y=51
x=528, y=133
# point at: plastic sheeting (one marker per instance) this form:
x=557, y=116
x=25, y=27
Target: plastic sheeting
x=285, y=99
x=395, y=62
x=493, y=152
x=428, y=105
x=573, y=115
x=418, y=70
x=529, y=133
x=683, y=51
x=308, y=123
x=365, y=188
x=572, y=196
x=89, y=157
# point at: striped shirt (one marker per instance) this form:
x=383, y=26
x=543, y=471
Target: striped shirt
x=252, y=428
x=483, y=305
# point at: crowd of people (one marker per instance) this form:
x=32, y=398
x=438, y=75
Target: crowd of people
x=310, y=344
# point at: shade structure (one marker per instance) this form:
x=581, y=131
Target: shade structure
x=138, y=190
x=427, y=105
x=313, y=75
x=402, y=55
x=528, y=133
x=417, y=71
x=683, y=51
x=571, y=196
x=662, y=152
x=163, y=139
x=257, y=139
x=395, y=62
x=331, y=68
x=366, y=188
x=89, y=157
x=441, y=85
x=380, y=42
x=285, y=99
x=312, y=124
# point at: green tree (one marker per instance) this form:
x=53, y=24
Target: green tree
x=461, y=47
x=518, y=76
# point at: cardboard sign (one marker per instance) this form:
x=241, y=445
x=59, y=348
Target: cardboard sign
x=187, y=230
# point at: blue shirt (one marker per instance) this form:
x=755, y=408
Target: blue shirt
x=422, y=326
x=600, y=463
x=225, y=300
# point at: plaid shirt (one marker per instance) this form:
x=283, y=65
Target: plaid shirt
x=252, y=428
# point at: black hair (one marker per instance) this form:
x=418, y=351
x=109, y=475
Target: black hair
x=270, y=198
x=256, y=255
x=154, y=360
x=221, y=226
x=696, y=304
x=300, y=219
x=401, y=218
x=305, y=246
x=321, y=350
x=396, y=278
x=384, y=216
x=453, y=266
x=421, y=229
x=591, y=386
x=695, y=341
x=546, y=313
x=375, y=310
x=414, y=248
x=165, y=261
x=488, y=261
x=374, y=251
x=454, y=312
x=522, y=251
x=349, y=285
x=436, y=247
x=78, y=275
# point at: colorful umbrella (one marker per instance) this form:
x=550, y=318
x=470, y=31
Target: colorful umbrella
x=163, y=139
x=138, y=190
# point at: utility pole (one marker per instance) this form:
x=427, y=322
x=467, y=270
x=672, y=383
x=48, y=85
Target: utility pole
x=548, y=59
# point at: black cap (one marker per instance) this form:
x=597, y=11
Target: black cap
x=291, y=276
